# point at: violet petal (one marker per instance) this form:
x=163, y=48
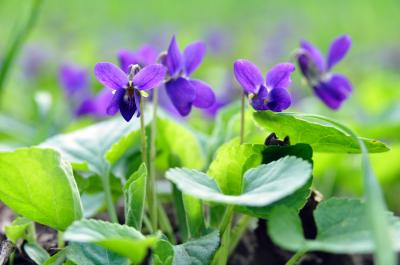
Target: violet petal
x=113, y=106
x=279, y=99
x=110, y=75
x=126, y=58
x=338, y=50
x=182, y=95
x=174, y=59
x=73, y=78
x=279, y=75
x=314, y=55
x=205, y=97
x=334, y=91
x=260, y=100
x=127, y=107
x=193, y=56
x=149, y=77
x=248, y=75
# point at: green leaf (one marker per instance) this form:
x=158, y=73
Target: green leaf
x=341, y=225
x=321, y=137
x=17, y=229
x=375, y=203
x=199, y=251
x=229, y=165
x=163, y=253
x=38, y=184
x=36, y=253
x=121, y=239
x=98, y=146
x=295, y=200
x=57, y=259
x=194, y=214
x=90, y=254
x=176, y=142
x=263, y=185
x=134, y=194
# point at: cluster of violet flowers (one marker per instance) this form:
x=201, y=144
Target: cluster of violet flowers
x=144, y=70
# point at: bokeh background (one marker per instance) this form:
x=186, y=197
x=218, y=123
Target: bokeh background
x=34, y=106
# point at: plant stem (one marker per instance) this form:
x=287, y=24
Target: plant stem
x=143, y=137
x=221, y=257
x=166, y=226
x=238, y=232
x=150, y=184
x=152, y=168
x=16, y=44
x=296, y=257
x=242, y=118
x=226, y=219
x=108, y=196
x=31, y=233
x=60, y=240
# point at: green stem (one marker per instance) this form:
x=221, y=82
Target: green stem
x=226, y=219
x=238, y=232
x=242, y=118
x=296, y=257
x=150, y=184
x=109, y=200
x=147, y=223
x=31, y=233
x=16, y=44
x=60, y=239
x=152, y=168
x=221, y=257
x=165, y=225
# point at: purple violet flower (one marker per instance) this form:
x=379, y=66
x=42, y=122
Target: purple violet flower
x=128, y=88
x=75, y=81
x=332, y=89
x=183, y=91
x=268, y=94
x=145, y=55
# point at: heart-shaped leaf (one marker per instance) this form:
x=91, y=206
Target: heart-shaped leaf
x=321, y=137
x=121, y=239
x=98, y=146
x=38, y=184
x=134, y=194
x=90, y=254
x=17, y=229
x=177, y=146
x=263, y=185
x=341, y=225
x=199, y=251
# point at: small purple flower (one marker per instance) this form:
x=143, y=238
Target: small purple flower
x=184, y=92
x=128, y=88
x=269, y=94
x=74, y=79
x=332, y=89
x=145, y=55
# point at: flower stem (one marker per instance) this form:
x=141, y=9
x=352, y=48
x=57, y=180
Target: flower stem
x=152, y=168
x=238, y=232
x=16, y=44
x=60, y=240
x=296, y=257
x=221, y=257
x=242, y=118
x=150, y=183
x=108, y=196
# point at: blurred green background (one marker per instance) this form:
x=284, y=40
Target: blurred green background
x=265, y=31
